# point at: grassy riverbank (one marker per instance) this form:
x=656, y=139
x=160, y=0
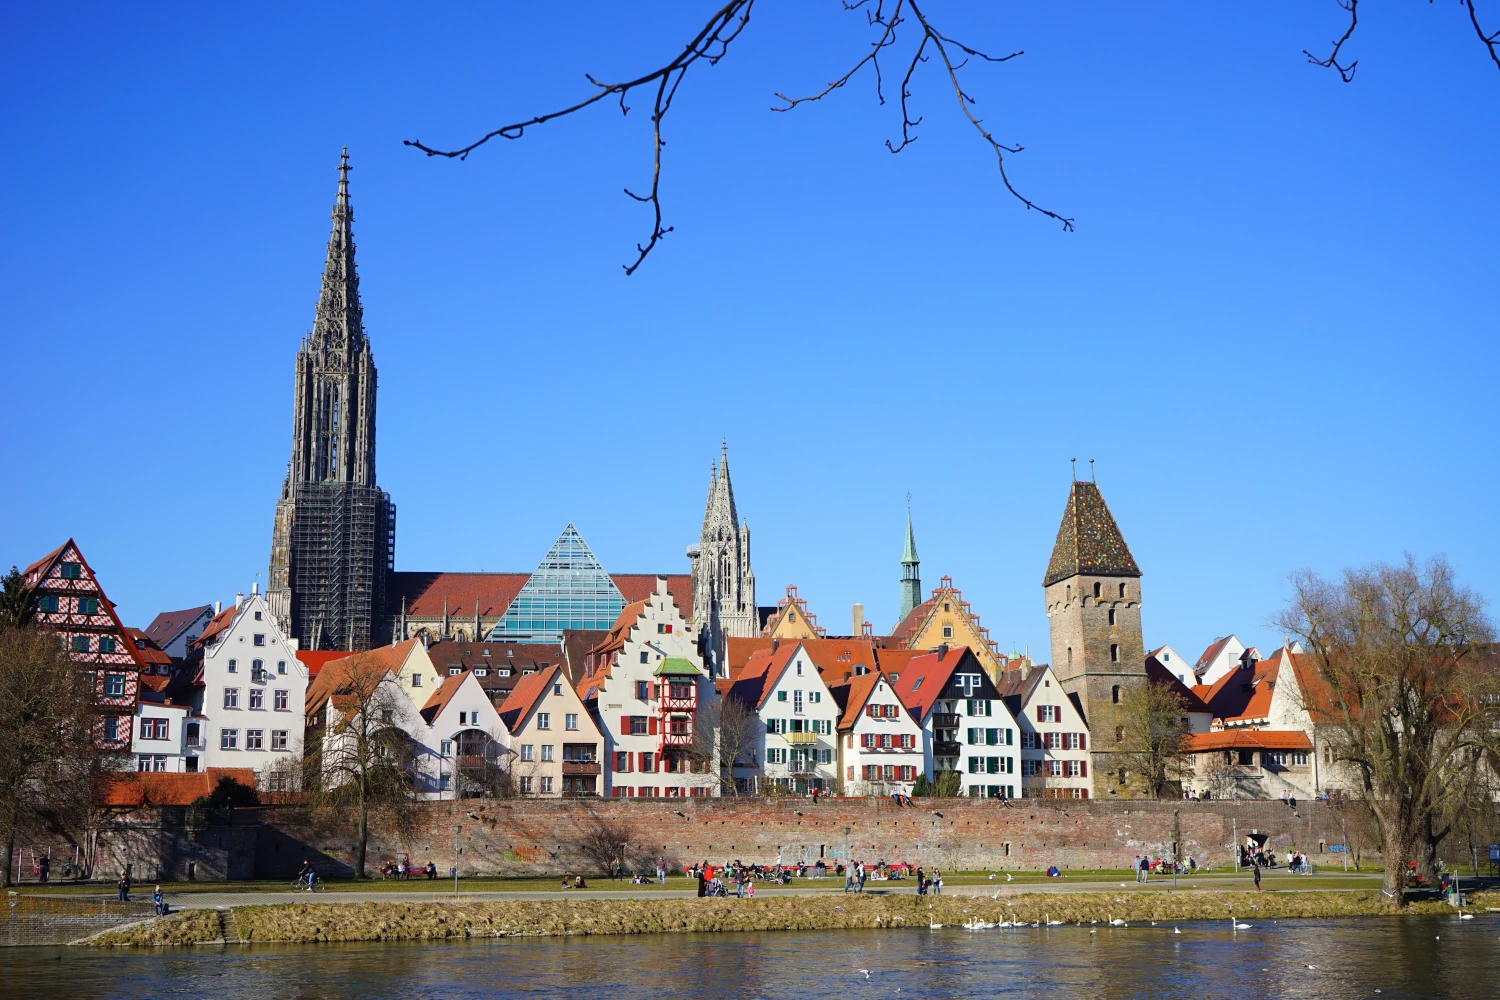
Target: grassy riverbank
x=300, y=923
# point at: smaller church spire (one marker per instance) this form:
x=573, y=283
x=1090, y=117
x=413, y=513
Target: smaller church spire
x=911, y=579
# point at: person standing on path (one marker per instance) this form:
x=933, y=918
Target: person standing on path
x=43, y=868
x=124, y=887
x=937, y=882
x=661, y=871
x=1257, y=878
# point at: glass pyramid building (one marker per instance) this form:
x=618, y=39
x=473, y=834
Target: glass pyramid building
x=568, y=590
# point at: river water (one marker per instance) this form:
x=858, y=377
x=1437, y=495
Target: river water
x=1385, y=958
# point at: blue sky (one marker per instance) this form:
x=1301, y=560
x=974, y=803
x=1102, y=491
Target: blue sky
x=1274, y=327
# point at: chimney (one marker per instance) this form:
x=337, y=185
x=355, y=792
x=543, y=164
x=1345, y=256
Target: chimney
x=942, y=650
x=239, y=599
x=255, y=589
x=775, y=644
x=859, y=620
x=218, y=606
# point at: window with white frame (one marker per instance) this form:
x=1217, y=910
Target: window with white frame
x=546, y=753
x=283, y=700
x=528, y=752
x=544, y=720
x=231, y=697
x=278, y=739
x=570, y=721
x=255, y=739
x=546, y=784
x=229, y=739
x=257, y=698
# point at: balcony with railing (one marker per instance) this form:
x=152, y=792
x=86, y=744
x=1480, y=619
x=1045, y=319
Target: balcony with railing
x=570, y=767
x=946, y=748
x=944, y=721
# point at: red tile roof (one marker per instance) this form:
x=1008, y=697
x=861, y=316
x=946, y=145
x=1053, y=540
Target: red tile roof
x=758, y=677
x=354, y=673
x=425, y=593
x=832, y=657
x=216, y=624
x=614, y=639
x=1248, y=739
x=443, y=695
x=314, y=659
x=1158, y=674
x=924, y=677
x=151, y=654
x=168, y=625
x=1244, y=694
x=524, y=696
x=46, y=560
x=166, y=788
x=1214, y=649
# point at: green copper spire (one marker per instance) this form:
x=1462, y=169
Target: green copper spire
x=911, y=580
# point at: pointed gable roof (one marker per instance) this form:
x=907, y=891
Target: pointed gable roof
x=1088, y=540
x=46, y=574
x=525, y=695
x=168, y=625
x=338, y=677
x=925, y=675
x=758, y=678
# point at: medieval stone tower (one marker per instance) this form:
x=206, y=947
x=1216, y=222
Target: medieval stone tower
x=723, y=583
x=333, y=541
x=1093, y=595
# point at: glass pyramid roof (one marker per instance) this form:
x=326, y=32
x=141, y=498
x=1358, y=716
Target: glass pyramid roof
x=568, y=590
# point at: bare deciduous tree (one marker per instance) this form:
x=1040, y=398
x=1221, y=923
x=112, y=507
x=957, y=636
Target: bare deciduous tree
x=726, y=734
x=1411, y=707
x=602, y=845
x=1154, y=719
x=50, y=764
x=359, y=757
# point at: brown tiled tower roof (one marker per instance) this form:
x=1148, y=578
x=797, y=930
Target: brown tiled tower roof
x=1088, y=541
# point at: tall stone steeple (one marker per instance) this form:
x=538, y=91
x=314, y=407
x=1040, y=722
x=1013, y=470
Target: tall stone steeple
x=1093, y=595
x=723, y=583
x=911, y=578
x=333, y=540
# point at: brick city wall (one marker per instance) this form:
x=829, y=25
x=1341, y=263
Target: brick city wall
x=520, y=837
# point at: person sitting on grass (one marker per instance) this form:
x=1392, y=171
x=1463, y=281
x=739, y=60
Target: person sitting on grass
x=580, y=884
x=567, y=882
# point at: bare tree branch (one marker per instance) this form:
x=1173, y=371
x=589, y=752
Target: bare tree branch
x=941, y=44
x=709, y=45
x=712, y=43
x=1347, y=72
x=1490, y=41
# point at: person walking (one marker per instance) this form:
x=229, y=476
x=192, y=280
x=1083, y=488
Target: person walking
x=849, y=879
x=863, y=874
x=43, y=868
x=937, y=882
x=1145, y=869
x=1256, y=869
x=158, y=904
x=124, y=886
x=921, y=883
x=661, y=871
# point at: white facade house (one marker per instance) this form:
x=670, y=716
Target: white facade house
x=796, y=744
x=160, y=741
x=250, y=689
x=880, y=742
x=966, y=725
x=1224, y=655
x=644, y=684
x=1055, y=758
x=461, y=741
x=1175, y=664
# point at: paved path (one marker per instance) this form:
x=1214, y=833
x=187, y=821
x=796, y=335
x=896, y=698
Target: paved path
x=829, y=886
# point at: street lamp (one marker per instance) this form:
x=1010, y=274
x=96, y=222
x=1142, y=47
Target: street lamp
x=456, y=830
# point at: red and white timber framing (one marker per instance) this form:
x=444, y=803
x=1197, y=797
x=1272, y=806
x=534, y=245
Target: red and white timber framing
x=68, y=601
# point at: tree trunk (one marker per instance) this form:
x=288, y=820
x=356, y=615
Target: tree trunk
x=1400, y=847
x=10, y=853
x=363, y=834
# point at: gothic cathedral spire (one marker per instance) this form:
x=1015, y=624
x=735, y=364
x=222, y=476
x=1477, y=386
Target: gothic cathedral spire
x=334, y=536
x=911, y=578
x=723, y=583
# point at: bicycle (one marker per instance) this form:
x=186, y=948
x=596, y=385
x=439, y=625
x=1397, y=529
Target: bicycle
x=300, y=884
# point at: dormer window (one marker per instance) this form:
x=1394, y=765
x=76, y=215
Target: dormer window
x=454, y=671
x=481, y=672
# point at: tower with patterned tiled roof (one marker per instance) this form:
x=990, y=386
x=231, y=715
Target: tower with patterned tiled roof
x=1093, y=597
x=334, y=536
x=723, y=583
x=911, y=577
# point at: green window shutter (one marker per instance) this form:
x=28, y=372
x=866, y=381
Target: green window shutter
x=973, y=736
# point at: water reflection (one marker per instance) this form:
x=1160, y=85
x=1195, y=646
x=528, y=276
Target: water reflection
x=1418, y=957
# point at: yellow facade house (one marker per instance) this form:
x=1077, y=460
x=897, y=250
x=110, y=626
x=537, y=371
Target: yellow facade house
x=791, y=620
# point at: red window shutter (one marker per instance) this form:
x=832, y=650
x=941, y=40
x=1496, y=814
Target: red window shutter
x=624, y=725
x=1041, y=713
x=651, y=726
x=1083, y=769
x=1056, y=713
x=1083, y=741
x=851, y=772
x=1083, y=793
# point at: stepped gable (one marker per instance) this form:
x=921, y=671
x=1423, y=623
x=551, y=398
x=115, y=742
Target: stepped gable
x=1089, y=542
